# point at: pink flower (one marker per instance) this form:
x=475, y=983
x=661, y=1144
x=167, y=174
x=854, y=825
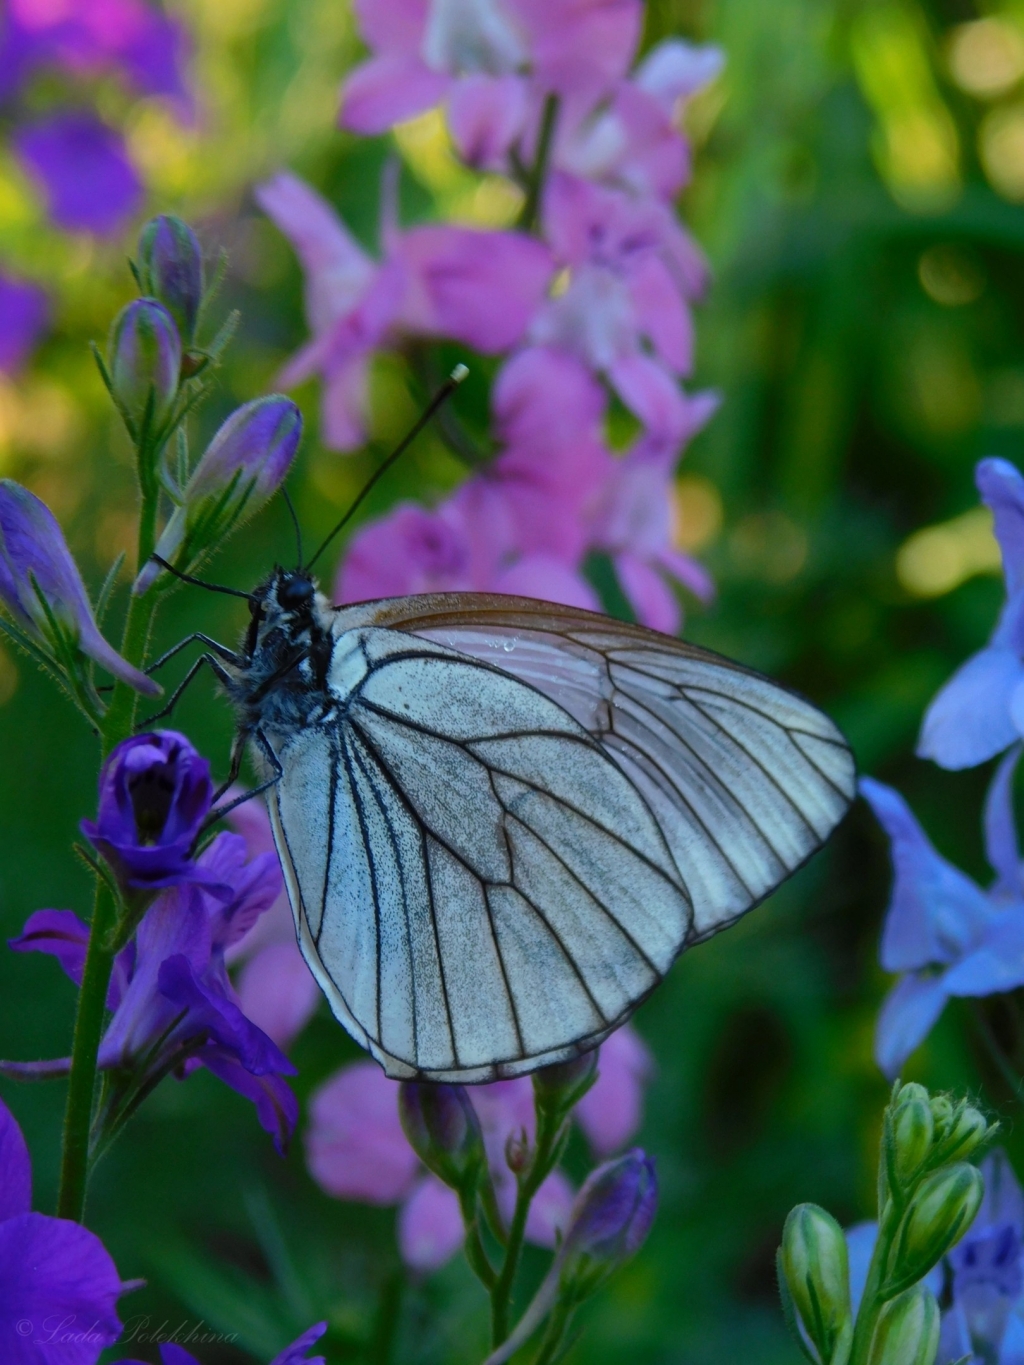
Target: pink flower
x=632, y=273
x=519, y=525
x=356, y=1149
x=493, y=61
x=633, y=523
x=481, y=288
x=275, y=988
x=632, y=141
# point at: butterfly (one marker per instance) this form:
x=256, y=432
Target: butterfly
x=501, y=821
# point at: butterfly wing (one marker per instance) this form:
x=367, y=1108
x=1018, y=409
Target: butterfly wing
x=520, y=817
x=478, y=886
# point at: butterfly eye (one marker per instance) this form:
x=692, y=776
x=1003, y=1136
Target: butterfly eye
x=295, y=593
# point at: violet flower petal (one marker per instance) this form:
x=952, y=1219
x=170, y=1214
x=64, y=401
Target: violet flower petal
x=936, y=912
x=278, y=992
x=968, y=721
x=908, y=1014
x=610, y=1112
x=550, y=1211
x=430, y=1229
x=53, y=1271
x=89, y=183
x=276, y=1105
x=1001, y=846
x=295, y=1354
x=996, y=964
x=32, y=546
x=15, y=1169
x=1001, y=486
x=255, y=885
x=649, y=595
x=24, y=311
x=485, y=116
x=355, y=1146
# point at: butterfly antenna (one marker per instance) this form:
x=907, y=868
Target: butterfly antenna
x=295, y=522
x=199, y=582
x=443, y=394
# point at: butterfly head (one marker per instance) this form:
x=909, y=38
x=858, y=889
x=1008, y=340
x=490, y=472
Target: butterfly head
x=286, y=609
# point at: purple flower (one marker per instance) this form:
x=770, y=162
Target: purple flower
x=23, y=316
x=481, y=288
x=492, y=60
x=144, y=362
x=613, y=1212
x=295, y=1354
x=981, y=709
x=42, y=589
x=987, y=1273
x=356, y=1149
x=943, y=933
x=84, y=171
x=245, y=463
x=89, y=35
x=633, y=273
x=155, y=793
x=52, y=1273
x=173, y=1004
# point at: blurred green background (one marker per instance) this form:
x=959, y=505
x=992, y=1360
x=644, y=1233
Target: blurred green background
x=859, y=189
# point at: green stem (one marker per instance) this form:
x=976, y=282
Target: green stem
x=99, y=958
x=529, y=1184
x=996, y=1054
x=530, y=211
x=872, y=1303
x=476, y=1254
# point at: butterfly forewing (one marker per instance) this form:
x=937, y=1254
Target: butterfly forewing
x=519, y=814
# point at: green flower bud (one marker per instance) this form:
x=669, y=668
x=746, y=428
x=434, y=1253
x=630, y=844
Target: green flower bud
x=968, y=1129
x=913, y=1130
x=907, y=1332
x=940, y=1212
x=942, y=1112
x=814, y=1262
x=558, y=1088
x=443, y=1130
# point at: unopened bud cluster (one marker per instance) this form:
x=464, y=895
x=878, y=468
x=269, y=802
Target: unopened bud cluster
x=928, y=1195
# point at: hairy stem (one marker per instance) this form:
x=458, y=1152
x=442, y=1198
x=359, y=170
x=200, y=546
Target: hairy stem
x=99, y=958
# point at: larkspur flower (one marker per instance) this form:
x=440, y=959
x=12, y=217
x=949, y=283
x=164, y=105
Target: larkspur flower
x=943, y=933
x=244, y=464
x=51, y=1271
x=980, y=710
x=481, y=288
x=356, y=1149
x=42, y=589
x=23, y=315
x=173, y=1004
x=155, y=793
x=295, y=1354
x=83, y=169
x=492, y=61
x=632, y=273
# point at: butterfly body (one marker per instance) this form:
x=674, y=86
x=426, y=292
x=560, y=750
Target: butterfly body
x=501, y=821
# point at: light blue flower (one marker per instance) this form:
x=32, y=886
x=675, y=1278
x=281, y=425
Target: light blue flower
x=980, y=711
x=943, y=933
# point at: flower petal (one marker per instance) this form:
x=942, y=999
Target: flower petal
x=611, y=1110
x=355, y=1146
x=549, y=1212
x=1001, y=486
x=84, y=170
x=430, y=1229
x=936, y=913
x=546, y=578
x=55, y=1271
x=485, y=116
x=1001, y=829
x=23, y=316
x=277, y=991
x=15, y=1168
x=276, y=1105
x=662, y=314
x=969, y=719
x=997, y=963
x=295, y=1354
x=676, y=69
x=393, y=26
x=386, y=90
x=649, y=595
x=907, y=1016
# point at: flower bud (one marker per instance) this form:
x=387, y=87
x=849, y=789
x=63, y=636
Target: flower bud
x=242, y=466
x=517, y=1151
x=558, y=1088
x=913, y=1129
x=610, y=1218
x=171, y=269
x=144, y=363
x=968, y=1129
x=907, y=1332
x=814, y=1262
x=940, y=1212
x=443, y=1130
x=42, y=589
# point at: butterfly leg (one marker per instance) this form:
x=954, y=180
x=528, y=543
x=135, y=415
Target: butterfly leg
x=219, y=672
x=237, y=751
x=228, y=655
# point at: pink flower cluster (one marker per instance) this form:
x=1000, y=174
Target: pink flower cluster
x=596, y=303
x=356, y=1149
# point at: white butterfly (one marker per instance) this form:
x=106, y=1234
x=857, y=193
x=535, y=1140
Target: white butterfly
x=501, y=821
